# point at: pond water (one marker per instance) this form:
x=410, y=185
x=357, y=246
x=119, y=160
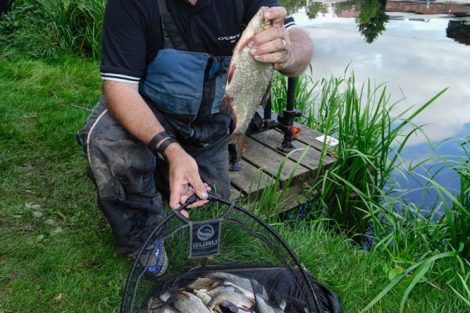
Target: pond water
x=423, y=48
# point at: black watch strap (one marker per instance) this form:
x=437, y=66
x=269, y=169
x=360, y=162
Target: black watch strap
x=156, y=139
x=162, y=147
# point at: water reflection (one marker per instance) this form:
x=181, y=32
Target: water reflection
x=371, y=21
x=372, y=15
x=415, y=54
x=460, y=31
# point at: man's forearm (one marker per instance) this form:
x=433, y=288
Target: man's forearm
x=130, y=110
x=301, y=52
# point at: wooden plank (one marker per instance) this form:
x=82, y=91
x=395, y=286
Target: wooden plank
x=235, y=194
x=262, y=162
x=271, y=162
x=250, y=179
x=311, y=159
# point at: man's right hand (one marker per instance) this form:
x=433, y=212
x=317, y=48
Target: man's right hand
x=130, y=110
x=184, y=178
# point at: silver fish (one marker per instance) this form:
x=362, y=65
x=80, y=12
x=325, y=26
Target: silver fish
x=189, y=303
x=247, y=84
x=203, y=283
x=203, y=295
x=245, y=285
x=239, y=281
x=231, y=298
x=155, y=305
x=263, y=307
x=165, y=309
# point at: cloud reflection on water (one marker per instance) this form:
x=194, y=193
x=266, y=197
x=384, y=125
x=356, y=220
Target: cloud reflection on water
x=412, y=57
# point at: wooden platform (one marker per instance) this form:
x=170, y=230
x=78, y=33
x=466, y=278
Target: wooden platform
x=267, y=167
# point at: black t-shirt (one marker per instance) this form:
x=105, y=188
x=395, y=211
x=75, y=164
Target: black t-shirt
x=132, y=31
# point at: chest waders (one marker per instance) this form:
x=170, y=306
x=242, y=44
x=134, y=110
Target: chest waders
x=185, y=88
x=184, y=95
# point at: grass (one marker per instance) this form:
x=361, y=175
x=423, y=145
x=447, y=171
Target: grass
x=57, y=252
x=49, y=28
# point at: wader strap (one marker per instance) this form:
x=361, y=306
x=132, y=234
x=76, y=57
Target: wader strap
x=171, y=35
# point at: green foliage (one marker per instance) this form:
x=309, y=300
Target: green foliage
x=372, y=19
x=292, y=5
x=48, y=28
x=360, y=119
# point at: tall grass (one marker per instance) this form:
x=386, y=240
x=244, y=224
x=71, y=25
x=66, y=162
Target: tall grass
x=48, y=28
x=356, y=193
x=361, y=119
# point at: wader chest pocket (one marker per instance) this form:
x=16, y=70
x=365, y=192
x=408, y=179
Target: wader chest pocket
x=175, y=81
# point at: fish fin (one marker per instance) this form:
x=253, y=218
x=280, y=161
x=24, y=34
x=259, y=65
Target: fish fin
x=266, y=96
x=226, y=105
x=231, y=71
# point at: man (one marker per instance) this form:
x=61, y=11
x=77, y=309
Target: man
x=159, y=129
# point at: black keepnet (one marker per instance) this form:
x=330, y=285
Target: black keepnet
x=283, y=276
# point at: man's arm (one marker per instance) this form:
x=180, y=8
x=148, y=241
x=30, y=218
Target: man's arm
x=127, y=106
x=290, y=50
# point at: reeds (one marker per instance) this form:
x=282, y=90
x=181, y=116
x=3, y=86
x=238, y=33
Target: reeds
x=357, y=194
x=361, y=119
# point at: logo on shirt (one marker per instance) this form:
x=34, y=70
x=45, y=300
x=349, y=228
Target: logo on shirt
x=231, y=38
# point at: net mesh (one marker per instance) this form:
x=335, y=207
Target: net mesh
x=249, y=248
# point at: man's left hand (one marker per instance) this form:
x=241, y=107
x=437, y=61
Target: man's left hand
x=272, y=45
x=289, y=50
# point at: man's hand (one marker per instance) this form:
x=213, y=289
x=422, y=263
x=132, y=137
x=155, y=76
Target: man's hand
x=289, y=50
x=184, y=178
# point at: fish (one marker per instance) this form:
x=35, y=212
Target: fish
x=245, y=285
x=203, y=295
x=263, y=307
x=189, y=303
x=165, y=309
x=155, y=305
x=248, y=83
x=238, y=281
x=202, y=283
x=231, y=298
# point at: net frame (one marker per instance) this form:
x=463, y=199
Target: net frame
x=300, y=274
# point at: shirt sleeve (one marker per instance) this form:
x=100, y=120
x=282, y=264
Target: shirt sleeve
x=124, y=45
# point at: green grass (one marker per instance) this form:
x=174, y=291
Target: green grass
x=57, y=254
x=49, y=28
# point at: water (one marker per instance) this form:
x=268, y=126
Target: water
x=416, y=59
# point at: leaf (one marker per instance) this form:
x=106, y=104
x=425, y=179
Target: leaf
x=395, y=272
x=423, y=269
x=410, y=269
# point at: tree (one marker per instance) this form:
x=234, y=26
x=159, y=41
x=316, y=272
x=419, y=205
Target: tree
x=372, y=19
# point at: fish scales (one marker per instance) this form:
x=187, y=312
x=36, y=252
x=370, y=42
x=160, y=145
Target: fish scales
x=187, y=302
x=248, y=82
x=249, y=85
